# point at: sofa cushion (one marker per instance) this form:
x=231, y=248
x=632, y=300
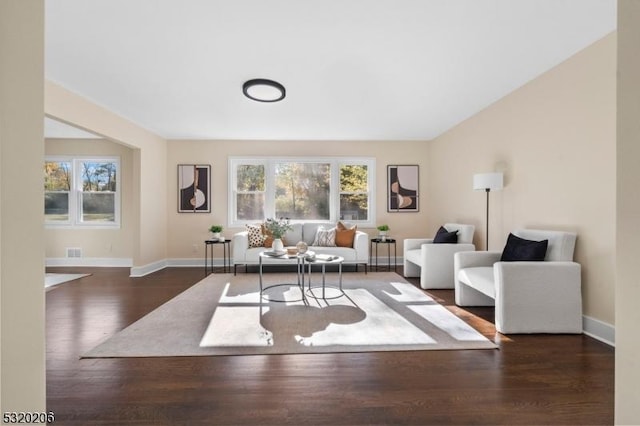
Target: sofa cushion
x=325, y=237
x=294, y=236
x=445, y=237
x=480, y=278
x=414, y=256
x=520, y=249
x=345, y=235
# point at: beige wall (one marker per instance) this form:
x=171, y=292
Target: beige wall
x=149, y=157
x=96, y=243
x=188, y=231
x=627, y=392
x=22, y=347
x=554, y=139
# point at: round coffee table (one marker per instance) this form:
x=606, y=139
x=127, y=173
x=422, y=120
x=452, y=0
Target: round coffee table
x=323, y=260
x=274, y=258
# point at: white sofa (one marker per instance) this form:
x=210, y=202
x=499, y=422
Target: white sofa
x=357, y=255
x=529, y=297
x=433, y=263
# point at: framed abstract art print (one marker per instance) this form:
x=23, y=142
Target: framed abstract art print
x=403, y=193
x=194, y=188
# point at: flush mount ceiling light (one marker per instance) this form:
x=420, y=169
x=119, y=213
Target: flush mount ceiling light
x=263, y=90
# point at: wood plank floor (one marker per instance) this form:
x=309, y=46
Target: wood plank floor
x=531, y=379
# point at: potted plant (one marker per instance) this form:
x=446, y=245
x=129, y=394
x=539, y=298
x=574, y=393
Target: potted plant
x=382, y=232
x=215, y=231
x=277, y=228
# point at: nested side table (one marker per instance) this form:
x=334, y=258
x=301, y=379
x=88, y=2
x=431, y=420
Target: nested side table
x=208, y=255
x=388, y=241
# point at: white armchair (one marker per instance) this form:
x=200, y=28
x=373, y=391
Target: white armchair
x=529, y=297
x=433, y=263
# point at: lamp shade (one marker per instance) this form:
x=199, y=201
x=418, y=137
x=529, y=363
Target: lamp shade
x=487, y=181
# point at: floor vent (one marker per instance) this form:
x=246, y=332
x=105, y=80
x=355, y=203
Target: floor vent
x=74, y=252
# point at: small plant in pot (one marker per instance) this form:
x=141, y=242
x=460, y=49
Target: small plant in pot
x=277, y=228
x=382, y=232
x=215, y=231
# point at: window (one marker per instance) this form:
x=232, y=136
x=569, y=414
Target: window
x=304, y=189
x=82, y=192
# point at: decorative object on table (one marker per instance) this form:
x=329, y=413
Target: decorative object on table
x=194, y=188
x=403, y=188
x=277, y=228
x=382, y=232
x=302, y=247
x=292, y=251
x=275, y=253
x=215, y=231
x=487, y=182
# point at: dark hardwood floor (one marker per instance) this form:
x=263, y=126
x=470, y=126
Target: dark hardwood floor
x=531, y=379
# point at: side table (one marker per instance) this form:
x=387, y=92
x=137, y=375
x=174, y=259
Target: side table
x=324, y=261
x=388, y=242
x=208, y=257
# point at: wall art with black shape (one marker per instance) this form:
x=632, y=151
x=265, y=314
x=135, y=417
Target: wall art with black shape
x=194, y=188
x=402, y=188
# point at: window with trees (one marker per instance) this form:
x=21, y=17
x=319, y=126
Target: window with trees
x=82, y=192
x=302, y=189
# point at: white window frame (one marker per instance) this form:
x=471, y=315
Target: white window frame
x=335, y=190
x=76, y=193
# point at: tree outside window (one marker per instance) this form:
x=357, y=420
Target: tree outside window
x=81, y=192
x=302, y=189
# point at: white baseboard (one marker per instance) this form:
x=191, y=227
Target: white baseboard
x=101, y=262
x=599, y=330
x=141, y=271
x=189, y=263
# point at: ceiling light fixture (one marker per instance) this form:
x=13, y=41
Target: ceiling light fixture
x=263, y=90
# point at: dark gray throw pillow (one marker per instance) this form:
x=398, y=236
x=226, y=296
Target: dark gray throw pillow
x=445, y=237
x=519, y=249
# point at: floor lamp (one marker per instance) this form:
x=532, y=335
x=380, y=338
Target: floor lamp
x=487, y=182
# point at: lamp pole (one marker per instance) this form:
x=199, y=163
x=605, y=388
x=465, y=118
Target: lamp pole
x=487, y=181
x=487, y=225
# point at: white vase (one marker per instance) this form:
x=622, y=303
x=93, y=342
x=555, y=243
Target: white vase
x=277, y=245
x=215, y=235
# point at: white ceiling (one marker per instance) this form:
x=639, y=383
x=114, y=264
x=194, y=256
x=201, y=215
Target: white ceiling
x=353, y=69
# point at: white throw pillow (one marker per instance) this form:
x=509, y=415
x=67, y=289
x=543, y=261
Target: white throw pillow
x=325, y=237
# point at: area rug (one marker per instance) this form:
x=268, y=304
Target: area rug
x=53, y=279
x=225, y=315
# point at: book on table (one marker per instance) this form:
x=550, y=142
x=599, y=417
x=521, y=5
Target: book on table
x=322, y=257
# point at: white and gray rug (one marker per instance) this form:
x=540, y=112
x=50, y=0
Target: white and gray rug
x=224, y=315
x=52, y=279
